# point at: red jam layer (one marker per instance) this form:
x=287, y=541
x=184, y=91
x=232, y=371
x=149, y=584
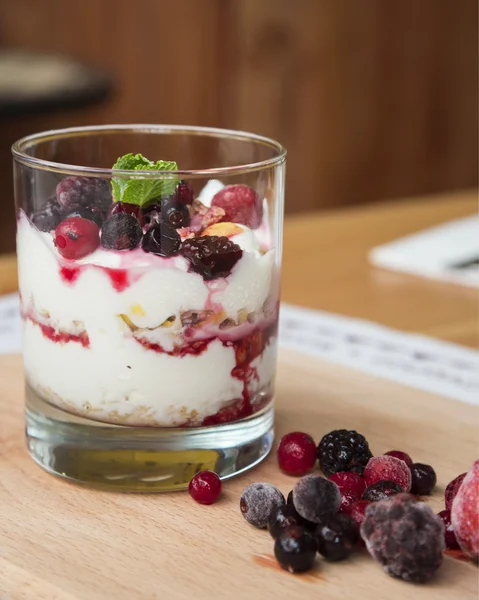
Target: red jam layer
x=61, y=337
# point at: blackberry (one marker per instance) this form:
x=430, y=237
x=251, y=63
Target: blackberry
x=295, y=549
x=381, y=490
x=405, y=536
x=337, y=537
x=211, y=256
x=423, y=479
x=161, y=239
x=121, y=231
x=343, y=450
x=257, y=502
x=84, y=192
x=48, y=216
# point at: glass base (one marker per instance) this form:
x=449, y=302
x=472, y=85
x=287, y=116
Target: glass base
x=141, y=459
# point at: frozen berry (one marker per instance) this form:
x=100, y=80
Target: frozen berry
x=343, y=450
x=281, y=517
x=184, y=193
x=48, y=216
x=174, y=213
x=381, y=490
x=449, y=535
x=86, y=192
x=337, y=536
x=452, y=489
x=351, y=486
x=405, y=536
x=358, y=511
x=257, y=501
x=296, y=453
x=289, y=500
x=211, y=256
x=423, y=479
x=315, y=497
x=205, y=487
x=76, y=237
x=85, y=213
x=465, y=513
x=121, y=231
x=380, y=468
x=161, y=239
x=295, y=549
x=401, y=455
x=127, y=207
x=241, y=205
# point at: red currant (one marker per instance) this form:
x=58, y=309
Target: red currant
x=296, y=453
x=76, y=237
x=205, y=487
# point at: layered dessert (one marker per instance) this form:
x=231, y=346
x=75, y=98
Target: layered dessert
x=144, y=305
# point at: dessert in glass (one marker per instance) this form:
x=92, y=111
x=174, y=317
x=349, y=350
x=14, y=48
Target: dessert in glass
x=149, y=274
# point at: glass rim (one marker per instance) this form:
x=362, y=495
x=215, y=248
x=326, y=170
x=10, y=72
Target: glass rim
x=20, y=147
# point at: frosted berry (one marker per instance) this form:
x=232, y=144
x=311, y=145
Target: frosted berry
x=315, y=497
x=381, y=490
x=48, y=216
x=449, y=535
x=161, y=239
x=85, y=213
x=380, y=468
x=296, y=453
x=452, y=489
x=405, y=536
x=211, y=256
x=184, y=193
x=205, y=487
x=84, y=192
x=337, y=537
x=295, y=549
x=121, y=231
x=401, y=455
x=351, y=486
x=343, y=450
x=465, y=513
x=423, y=479
x=241, y=205
x=358, y=511
x=289, y=499
x=281, y=517
x=76, y=238
x=257, y=501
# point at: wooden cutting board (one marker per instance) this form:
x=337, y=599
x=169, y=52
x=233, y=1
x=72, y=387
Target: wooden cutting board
x=59, y=541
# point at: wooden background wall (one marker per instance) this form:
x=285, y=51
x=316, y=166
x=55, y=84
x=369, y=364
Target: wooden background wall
x=373, y=98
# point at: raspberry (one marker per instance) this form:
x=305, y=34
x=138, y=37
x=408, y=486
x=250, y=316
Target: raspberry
x=161, y=239
x=423, y=479
x=351, y=486
x=315, y=497
x=401, y=455
x=121, y=231
x=452, y=489
x=337, y=536
x=381, y=490
x=84, y=192
x=465, y=513
x=48, y=216
x=257, y=502
x=76, y=237
x=295, y=549
x=405, y=536
x=449, y=535
x=296, y=453
x=211, y=256
x=343, y=450
x=241, y=205
x=205, y=487
x=380, y=468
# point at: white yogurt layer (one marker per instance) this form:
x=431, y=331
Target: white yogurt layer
x=115, y=378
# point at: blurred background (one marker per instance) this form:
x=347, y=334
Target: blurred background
x=374, y=99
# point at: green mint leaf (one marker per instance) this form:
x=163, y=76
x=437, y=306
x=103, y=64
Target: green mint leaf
x=140, y=190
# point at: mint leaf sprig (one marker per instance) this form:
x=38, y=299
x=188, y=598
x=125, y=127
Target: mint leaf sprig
x=138, y=189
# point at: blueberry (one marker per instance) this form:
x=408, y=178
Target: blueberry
x=174, y=213
x=381, y=490
x=281, y=517
x=257, y=502
x=161, y=239
x=85, y=213
x=315, y=497
x=48, y=216
x=423, y=479
x=121, y=231
x=337, y=537
x=295, y=549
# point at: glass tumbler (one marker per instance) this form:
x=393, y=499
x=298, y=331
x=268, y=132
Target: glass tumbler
x=149, y=273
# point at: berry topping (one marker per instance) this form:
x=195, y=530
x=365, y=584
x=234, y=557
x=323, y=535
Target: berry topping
x=381, y=490
x=405, y=536
x=315, y=497
x=257, y=502
x=351, y=486
x=205, y=487
x=76, y=237
x=86, y=213
x=465, y=513
x=48, y=216
x=84, y=192
x=337, y=537
x=161, y=239
x=401, y=455
x=282, y=517
x=381, y=468
x=296, y=453
x=174, y=213
x=184, y=193
x=423, y=479
x=121, y=231
x=241, y=205
x=211, y=256
x=124, y=207
x=358, y=511
x=295, y=549
x=203, y=216
x=343, y=450
x=452, y=489
x=449, y=535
